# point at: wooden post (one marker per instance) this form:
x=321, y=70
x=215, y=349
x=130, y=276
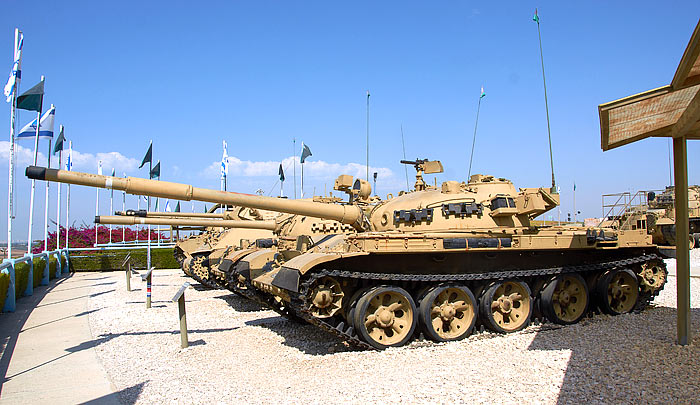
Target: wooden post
x=680, y=166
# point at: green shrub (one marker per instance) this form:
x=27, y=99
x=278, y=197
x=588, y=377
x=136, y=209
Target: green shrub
x=4, y=285
x=21, y=278
x=52, y=267
x=161, y=258
x=39, y=266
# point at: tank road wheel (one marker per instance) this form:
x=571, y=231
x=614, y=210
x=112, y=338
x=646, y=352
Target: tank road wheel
x=653, y=276
x=506, y=306
x=618, y=291
x=448, y=312
x=326, y=297
x=385, y=316
x=198, y=267
x=564, y=300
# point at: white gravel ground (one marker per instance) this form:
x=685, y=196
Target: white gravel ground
x=242, y=353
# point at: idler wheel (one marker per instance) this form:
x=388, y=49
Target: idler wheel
x=618, y=291
x=564, y=300
x=506, y=306
x=652, y=277
x=326, y=297
x=448, y=312
x=385, y=316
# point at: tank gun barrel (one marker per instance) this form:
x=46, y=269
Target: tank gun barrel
x=155, y=214
x=223, y=223
x=347, y=214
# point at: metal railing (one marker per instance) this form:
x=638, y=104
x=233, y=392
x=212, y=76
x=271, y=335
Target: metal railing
x=8, y=267
x=625, y=206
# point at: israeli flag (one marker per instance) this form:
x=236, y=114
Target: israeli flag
x=99, y=167
x=45, y=129
x=167, y=206
x=224, y=162
x=69, y=161
x=16, y=72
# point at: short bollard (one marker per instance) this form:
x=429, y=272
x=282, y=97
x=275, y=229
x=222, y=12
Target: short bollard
x=147, y=278
x=180, y=298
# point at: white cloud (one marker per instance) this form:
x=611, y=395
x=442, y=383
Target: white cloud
x=81, y=161
x=312, y=168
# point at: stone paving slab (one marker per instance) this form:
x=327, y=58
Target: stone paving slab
x=47, y=350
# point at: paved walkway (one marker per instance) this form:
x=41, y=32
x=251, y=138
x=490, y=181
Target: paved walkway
x=47, y=351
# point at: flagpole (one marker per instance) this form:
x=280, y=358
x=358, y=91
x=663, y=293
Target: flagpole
x=575, y=220
x=58, y=202
x=124, y=210
x=97, y=199
x=36, y=156
x=138, y=208
x=11, y=168
x=111, y=209
x=546, y=105
x=302, y=180
x=46, y=204
x=68, y=167
x=148, y=250
x=294, y=159
x=471, y=157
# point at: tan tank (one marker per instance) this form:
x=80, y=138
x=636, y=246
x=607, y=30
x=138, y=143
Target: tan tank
x=661, y=217
x=439, y=259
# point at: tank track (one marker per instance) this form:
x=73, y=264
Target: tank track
x=337, y=327
x=262, y=298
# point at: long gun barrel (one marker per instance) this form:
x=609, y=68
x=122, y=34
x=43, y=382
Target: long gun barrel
x=156, y=214
x=223, y=223
x=347, y=214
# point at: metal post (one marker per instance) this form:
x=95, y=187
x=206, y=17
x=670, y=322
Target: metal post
x=46, y=204
x=183, y=321
x=11, y=169
x=148, y=289
x=680, y=165
x=30, y=282
x=128, y=275
x=58, y=206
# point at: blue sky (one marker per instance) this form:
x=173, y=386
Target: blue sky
x=258, y=74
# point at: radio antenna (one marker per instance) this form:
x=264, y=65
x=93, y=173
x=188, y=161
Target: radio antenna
x=536, y=19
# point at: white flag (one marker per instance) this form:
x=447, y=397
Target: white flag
x=16, y=72
x=46, y=128
x=224, y=162
x=69, y=161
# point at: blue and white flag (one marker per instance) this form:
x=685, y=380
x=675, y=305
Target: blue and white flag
x=167, y=206
x=99, y=167
x=46, y=128
x=224, y=162
x=16, y=72
x=69, y=161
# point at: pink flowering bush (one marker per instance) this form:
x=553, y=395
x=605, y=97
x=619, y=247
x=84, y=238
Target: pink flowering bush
x=85, y=237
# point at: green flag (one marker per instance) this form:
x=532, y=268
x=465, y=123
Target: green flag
x=483, y=93
x=59, y=142
x=177, y=207
x=155, y=172
x=536, y=18
x=32, y=99
x=281, y=173
x=148, y=157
